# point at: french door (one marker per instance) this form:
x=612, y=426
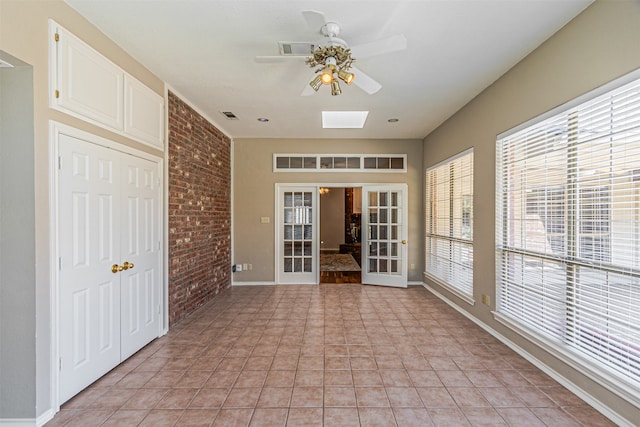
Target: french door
x=384, y=237
x=296, y=235
x=109, y=281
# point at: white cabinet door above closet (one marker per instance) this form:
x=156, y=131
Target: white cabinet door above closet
x=144, y=112
x=87, y=83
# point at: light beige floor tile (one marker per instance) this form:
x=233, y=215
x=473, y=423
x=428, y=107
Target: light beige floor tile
x=334, y=354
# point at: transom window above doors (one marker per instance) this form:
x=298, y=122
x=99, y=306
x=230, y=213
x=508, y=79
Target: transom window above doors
x=396, y=163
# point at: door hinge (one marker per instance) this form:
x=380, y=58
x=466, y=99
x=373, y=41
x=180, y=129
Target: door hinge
x=60, y=263
x=59, y=162
x=57, y=94
x=158, y=245
x=60, y=364
x=158, y=309
x=56, y=37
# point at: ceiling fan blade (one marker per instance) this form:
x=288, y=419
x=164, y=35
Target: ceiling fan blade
x=364, y=82
x=380, y=47
x=315, y=20
x=279, y=58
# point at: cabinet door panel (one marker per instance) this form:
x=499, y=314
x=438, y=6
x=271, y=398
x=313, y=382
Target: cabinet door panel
x=144, y=111
x=89, y=85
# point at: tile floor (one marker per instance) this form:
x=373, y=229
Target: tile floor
x=332, y=355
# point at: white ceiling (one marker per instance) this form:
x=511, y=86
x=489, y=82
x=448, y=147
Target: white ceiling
x=205, y=50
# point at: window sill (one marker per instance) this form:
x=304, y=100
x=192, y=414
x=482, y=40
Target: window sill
x=464, y=297
x=590, y=369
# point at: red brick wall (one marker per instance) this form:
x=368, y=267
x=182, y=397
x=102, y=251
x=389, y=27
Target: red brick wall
x=199, y=210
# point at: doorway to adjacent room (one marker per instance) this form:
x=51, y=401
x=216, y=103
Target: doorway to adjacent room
x=340, y=234
x=382, y=235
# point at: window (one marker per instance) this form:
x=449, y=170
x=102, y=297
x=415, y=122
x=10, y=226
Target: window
x=449, y=227
x=568, y=231
x=342, y=163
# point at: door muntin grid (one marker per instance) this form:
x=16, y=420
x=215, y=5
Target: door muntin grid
x=298, y=232
x=385, y=219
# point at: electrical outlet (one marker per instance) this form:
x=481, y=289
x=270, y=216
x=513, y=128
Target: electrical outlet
x=250, y=266
x=265, y=220
x=245, y=267
x=413, y=266
x=486, y=299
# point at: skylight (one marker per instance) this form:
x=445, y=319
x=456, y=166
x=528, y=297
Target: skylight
x=344, y=119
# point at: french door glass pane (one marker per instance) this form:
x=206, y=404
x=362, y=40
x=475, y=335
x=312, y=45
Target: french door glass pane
x=383, y=216
x=383, y=232
x=373, y=216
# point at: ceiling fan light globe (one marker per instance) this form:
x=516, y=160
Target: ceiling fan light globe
x=346, y=76
x=316, y=83
x=335, y=88
x=327, y=75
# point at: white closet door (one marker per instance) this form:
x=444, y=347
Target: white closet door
x=110, y=272
x=140, y=247
x=89, y=244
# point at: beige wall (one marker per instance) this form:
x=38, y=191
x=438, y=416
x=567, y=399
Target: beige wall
x=596, y=47
x=17, y=240
x=254, y=194
x=24, y=34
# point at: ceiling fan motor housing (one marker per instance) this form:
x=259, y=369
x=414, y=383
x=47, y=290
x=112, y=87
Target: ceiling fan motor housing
x=330, y=29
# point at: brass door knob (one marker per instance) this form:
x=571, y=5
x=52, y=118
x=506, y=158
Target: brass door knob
x=115, y=268
x=404, y=242
x=127, y=265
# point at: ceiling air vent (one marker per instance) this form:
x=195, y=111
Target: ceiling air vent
x=229, y=115
x=296, y=48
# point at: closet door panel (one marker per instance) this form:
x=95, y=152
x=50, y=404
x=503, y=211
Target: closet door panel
x=140, y=247
x=89, y=245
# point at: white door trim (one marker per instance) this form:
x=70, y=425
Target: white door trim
x=55, y=130
x=317, y=184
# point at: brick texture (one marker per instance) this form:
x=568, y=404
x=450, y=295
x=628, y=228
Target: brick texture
x=199, y=210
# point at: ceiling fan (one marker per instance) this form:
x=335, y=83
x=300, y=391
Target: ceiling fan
x=333, y=56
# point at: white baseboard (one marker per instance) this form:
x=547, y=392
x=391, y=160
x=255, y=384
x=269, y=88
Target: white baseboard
x=18, y=422
x=580, y=392
x=28, y=422
x=45, y=418
x=235, y=283
x=412, y=283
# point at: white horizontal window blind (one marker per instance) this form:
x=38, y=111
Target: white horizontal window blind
x=568, y=230
x=449, y=227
